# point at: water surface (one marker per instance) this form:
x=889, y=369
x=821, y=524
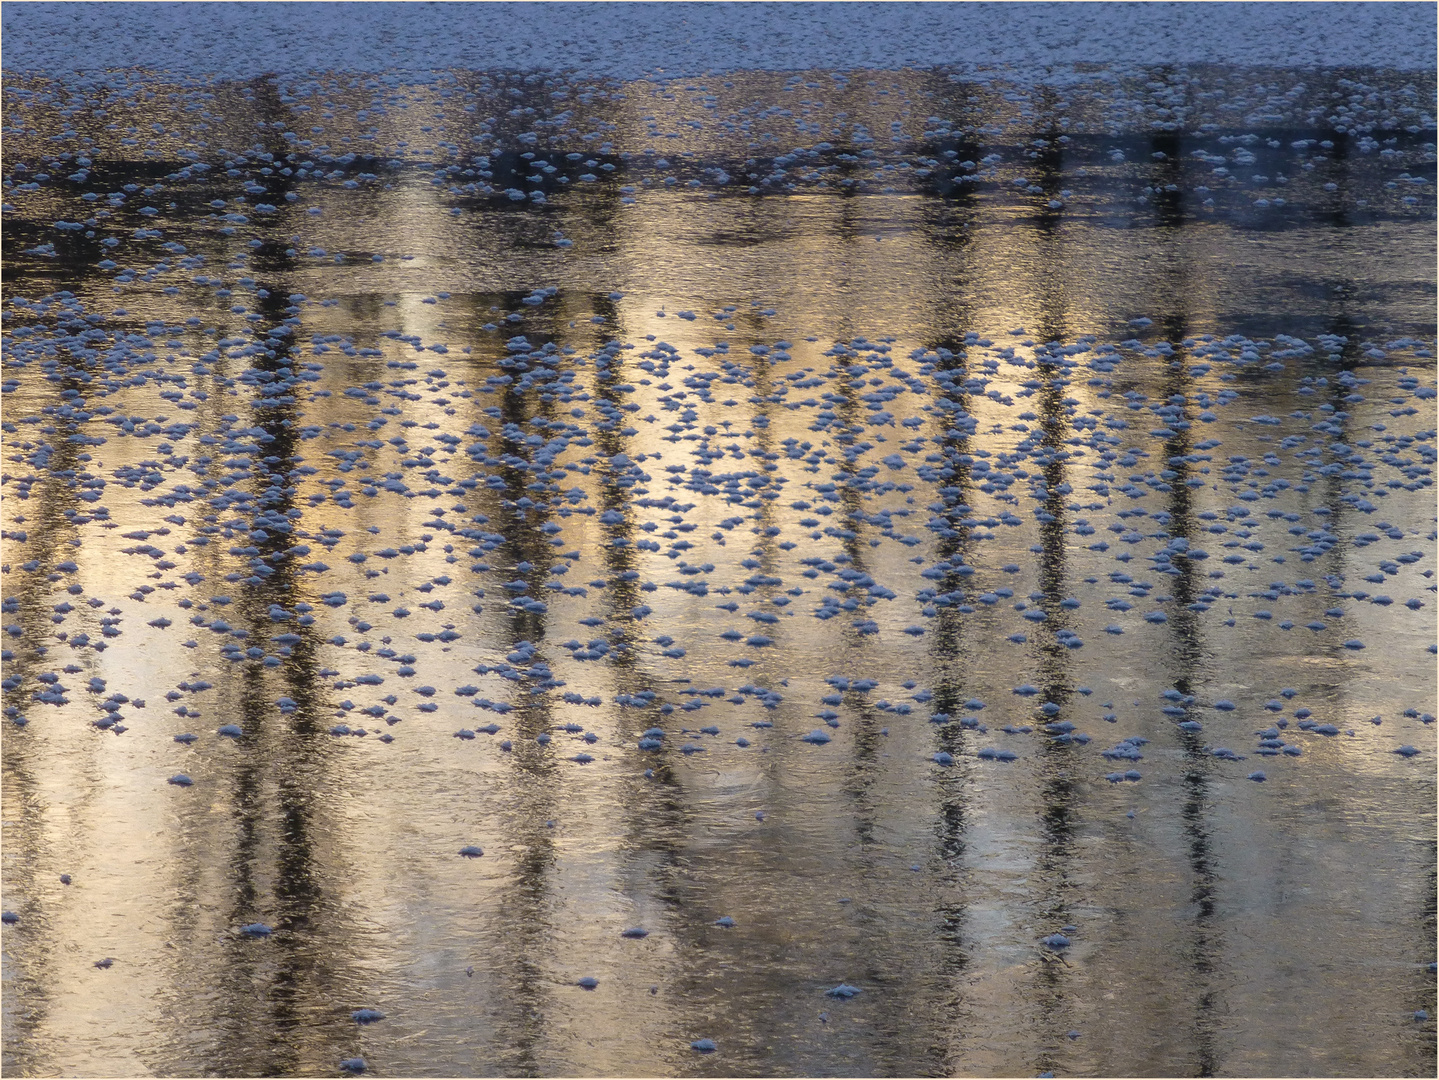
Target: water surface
x=1000, y=398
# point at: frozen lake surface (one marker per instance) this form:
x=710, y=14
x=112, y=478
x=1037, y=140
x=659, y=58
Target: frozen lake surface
x=859, y=566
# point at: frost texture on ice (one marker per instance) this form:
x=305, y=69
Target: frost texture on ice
x=629, y=40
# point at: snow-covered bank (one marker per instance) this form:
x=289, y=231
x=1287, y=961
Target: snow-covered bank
x=635, y=39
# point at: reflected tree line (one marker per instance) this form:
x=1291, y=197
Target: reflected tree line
x=279, y=859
